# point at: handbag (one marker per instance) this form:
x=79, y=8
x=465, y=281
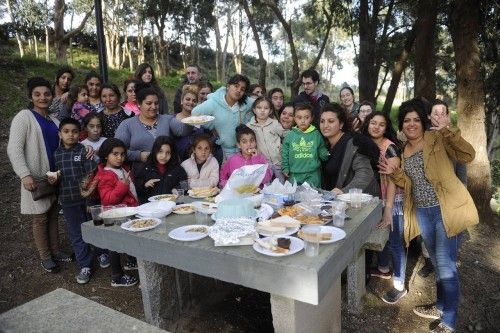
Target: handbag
x=43, y=189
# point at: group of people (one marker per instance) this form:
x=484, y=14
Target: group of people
x=102, y=149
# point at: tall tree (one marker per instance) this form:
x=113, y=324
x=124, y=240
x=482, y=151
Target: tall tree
x=11, y=9
x=464, y=24
x=61, y=37
x=425, y=56
x=262, y=62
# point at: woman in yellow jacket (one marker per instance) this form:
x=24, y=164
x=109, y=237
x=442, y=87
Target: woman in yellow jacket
x=436, y=204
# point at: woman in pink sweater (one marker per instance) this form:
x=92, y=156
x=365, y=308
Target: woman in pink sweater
x=248, y=155
x=202, y=168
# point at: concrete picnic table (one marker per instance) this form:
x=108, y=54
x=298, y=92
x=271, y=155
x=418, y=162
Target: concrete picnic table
x=305, y=292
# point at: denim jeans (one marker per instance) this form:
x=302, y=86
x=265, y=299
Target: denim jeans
x=443, y=253
x=395, y=247
x=74, y=216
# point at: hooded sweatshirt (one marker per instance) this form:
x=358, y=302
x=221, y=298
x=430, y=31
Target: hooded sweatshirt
x=226, y=118
x=303, y=151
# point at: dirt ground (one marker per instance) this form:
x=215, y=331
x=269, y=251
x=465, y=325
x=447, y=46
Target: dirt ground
x=240, y=309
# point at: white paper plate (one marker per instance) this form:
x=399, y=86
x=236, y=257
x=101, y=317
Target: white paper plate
x=346, y=197
x=161, y=197
x=181, y=233
x=191, y=211
x=127, y=225
x=197, y=120
x=116, y=213
x=296, y=245
x=337, y=234
x=288, y=232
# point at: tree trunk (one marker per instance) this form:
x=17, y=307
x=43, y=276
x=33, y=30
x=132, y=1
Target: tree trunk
x=425, y=55
x=398, y=70
x=18, y=36
x=367, y=73
x=262, y=61
x=47, y=44
x=140, y=41
x=464, y=29
x=35, y=41
x=61, y=37
x=294, y=89
x=224, y=51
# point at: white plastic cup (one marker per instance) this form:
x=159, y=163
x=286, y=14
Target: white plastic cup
x=201, y=217
x=355, y=197
x=311, y=247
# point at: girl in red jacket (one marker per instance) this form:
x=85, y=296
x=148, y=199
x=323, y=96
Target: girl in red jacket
x=115, y=186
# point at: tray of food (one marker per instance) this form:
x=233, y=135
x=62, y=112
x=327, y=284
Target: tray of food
x=198, y=120
x=203, y=192
x=304, y=214
x=278, y=247
x=169, y=197
x=141, y=224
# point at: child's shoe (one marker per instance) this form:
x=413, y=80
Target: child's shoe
x=124, y=281
x=84, y=275
x=104, y=260
x=62, y=257
x=50, y=265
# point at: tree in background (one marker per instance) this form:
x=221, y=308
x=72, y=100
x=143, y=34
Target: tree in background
x=464, y=21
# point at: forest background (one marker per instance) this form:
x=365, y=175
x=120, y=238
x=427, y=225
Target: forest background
x=397, y=50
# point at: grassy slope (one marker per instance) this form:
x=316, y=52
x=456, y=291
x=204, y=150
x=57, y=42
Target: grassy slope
x=16, y=71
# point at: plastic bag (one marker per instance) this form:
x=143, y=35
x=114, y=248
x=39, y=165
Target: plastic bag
x=243, y=182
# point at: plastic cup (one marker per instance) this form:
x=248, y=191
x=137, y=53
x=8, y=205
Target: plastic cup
x=108, y=222
x=355, y=197
x=180, y=192
x=201, y=217
x=96, y=211
x=311, y=246
x=184, y=185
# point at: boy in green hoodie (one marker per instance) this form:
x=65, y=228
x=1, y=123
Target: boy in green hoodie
x=303, y=149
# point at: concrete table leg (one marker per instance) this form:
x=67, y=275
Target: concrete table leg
x=161, y=295
x=356, y=283
x=293, y=316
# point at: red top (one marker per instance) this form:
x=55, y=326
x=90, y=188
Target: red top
x=111, y=190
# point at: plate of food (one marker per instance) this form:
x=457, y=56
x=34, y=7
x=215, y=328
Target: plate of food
x=203, y=192
x=346, y=197
x=280, y=226
x=183, y=209
x=189, y=233
x=301, y=214
x=278, y=247
x=198, y=120
x=169, y=197
x=141, y=224
x=326, y=235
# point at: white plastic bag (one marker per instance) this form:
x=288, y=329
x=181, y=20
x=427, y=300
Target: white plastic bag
x=243, y=182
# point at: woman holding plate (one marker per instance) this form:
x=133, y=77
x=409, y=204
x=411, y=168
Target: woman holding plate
x=139, y=132
x=348, y=165
x=189, y=99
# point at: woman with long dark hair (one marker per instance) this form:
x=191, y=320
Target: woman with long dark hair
x=60, y=89
x=145, y=74
x=231, y=107
x=436, y=203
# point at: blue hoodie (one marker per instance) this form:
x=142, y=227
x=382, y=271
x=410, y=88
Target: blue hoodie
x=226, y=118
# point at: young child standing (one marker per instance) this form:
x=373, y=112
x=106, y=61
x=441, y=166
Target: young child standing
x=303, y=149
x=268, y=132
x=248, y=155
x=70, y=161
x=202, y=168
x=161, y=172
x=92, y=124
x=115, y=186
x=78, y=100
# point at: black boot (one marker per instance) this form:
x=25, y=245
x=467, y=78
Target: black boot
x=427, y=269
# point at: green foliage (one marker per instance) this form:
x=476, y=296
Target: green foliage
x=495, y=173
